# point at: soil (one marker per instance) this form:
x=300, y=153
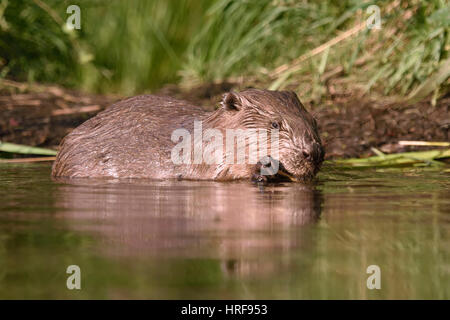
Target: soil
x=350, y=125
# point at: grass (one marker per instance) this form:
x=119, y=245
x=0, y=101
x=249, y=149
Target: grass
x=253, y=39
x=22, y=149
x=418, y=158
x=122, y=47
x=129, y=47
x=7, y=150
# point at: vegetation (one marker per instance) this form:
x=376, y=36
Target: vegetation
x=8, y=150
x=422, y=158
x=279, y=41
x=17, y=148
x=128, y=47
x=122, y=47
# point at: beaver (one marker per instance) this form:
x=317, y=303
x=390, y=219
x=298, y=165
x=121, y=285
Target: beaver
x=134, y=138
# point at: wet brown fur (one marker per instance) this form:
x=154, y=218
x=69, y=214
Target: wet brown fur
x=132, y=138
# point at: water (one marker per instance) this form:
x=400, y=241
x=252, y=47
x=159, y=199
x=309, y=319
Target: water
x=147, y=239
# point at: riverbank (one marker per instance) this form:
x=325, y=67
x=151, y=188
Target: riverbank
x=351, y=124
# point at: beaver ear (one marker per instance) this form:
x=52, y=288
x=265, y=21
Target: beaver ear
x=291, y=95
x=231, y=101
x=293, y=98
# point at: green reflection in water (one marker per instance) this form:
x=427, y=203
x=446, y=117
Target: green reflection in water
x=145, y=240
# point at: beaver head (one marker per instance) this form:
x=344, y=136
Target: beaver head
x=300, y=151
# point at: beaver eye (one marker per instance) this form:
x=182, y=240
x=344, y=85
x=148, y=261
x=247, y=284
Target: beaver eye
x=275, y=125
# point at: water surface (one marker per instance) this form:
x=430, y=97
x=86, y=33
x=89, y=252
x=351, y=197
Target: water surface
x=177, y=239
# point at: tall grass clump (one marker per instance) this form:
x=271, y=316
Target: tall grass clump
x=33, y=44
x=127, y=47
x=140, y=44
x=407, y=56
x=123, y=46
x=248, y=37
x=417, y=53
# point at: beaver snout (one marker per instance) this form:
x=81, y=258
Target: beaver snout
x=269, y=169
x=300, y=166
x=295, y=164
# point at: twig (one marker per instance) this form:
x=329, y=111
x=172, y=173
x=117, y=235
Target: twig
x=85, y=109
x=50, y=11
x=25, y=160
x=291, y=67
x=424, y=143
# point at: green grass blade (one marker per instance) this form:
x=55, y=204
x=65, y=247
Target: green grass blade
x=17, y=148
x=405, y=158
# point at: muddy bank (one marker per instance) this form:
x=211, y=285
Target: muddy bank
x=350, y=125
x=353, y=128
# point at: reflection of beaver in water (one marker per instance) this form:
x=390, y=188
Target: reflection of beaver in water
x=227, y=220
x=133, y=138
